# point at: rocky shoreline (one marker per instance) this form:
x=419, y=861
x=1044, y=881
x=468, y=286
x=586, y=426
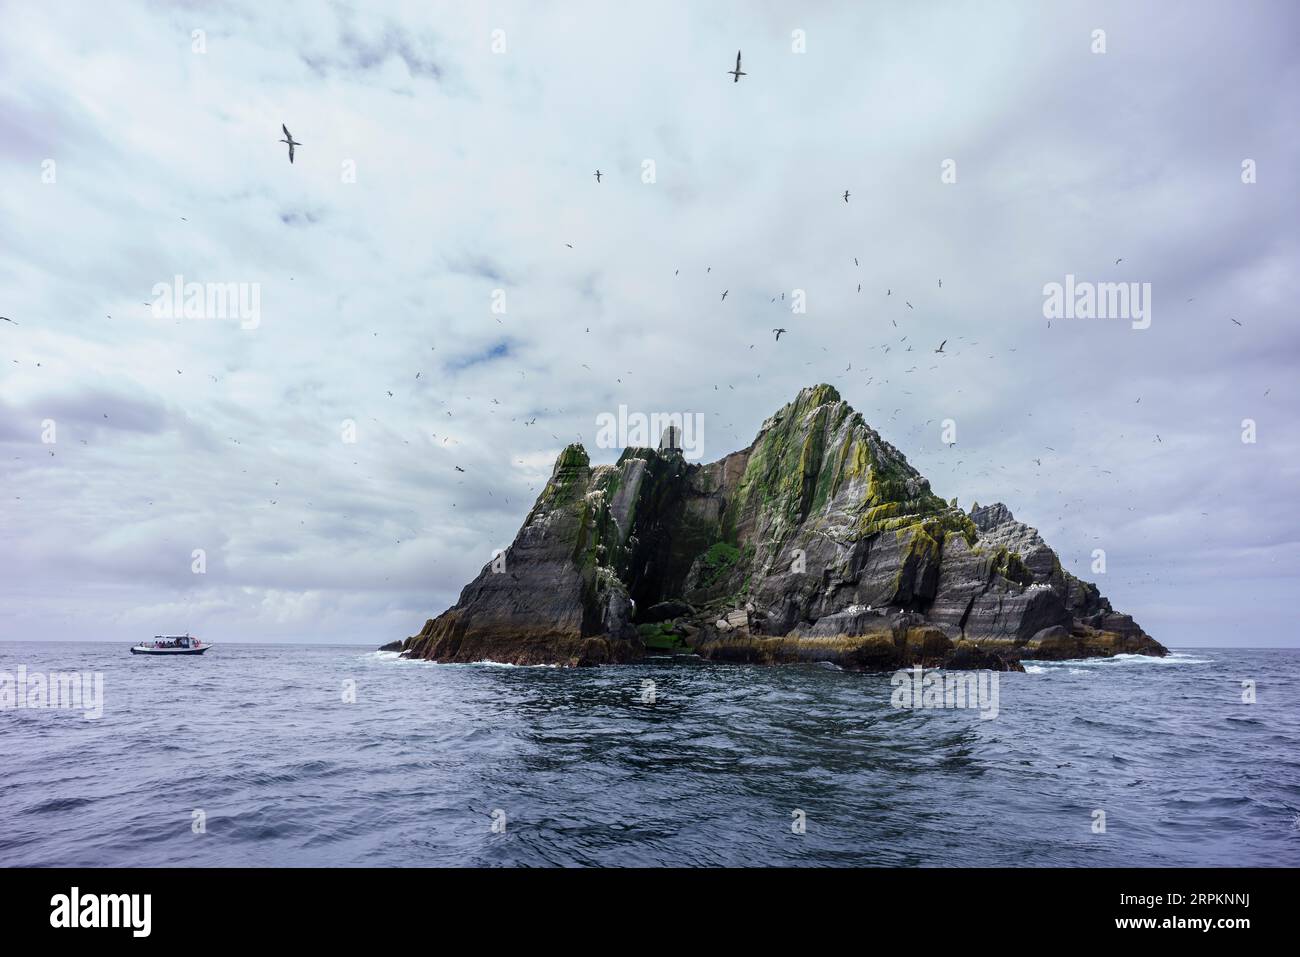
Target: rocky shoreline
x=816, y=543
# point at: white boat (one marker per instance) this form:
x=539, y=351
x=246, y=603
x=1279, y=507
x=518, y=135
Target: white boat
x=171, y=645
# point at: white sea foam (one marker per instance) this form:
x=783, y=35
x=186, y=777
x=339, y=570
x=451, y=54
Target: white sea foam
x=397, y=656
x=496, y=664
x=1174, y=658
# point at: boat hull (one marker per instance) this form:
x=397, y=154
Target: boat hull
x=170, y=651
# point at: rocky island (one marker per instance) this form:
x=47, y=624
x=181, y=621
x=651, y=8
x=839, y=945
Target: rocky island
x=816, y=543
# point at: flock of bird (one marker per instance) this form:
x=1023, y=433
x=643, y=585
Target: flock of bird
x=777, y=331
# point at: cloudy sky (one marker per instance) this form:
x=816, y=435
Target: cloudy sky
x=447, y=169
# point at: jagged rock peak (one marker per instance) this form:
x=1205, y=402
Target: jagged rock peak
x=671, y=440
x=817, y=542
x=990, y=516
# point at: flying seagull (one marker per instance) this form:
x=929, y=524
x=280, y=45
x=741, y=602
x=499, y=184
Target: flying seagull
x=941, y=345
x=737, y=72
x=778, y=334
x=597, y=176
x=7, y=319
x=288, y=138
x=1234, y=320
x=846, y=196
x=724, y=294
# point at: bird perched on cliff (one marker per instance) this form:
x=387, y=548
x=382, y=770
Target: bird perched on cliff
x=737, y=73
x=778, y=334
x=288, y=138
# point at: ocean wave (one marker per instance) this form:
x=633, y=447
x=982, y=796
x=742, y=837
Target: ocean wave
x=397, y=656
x=1174, y=658
x=492, y=664
x=56, y=804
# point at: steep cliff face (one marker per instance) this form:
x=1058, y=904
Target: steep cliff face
x=818, y=542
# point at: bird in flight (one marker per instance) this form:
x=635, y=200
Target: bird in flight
x=1118, y=261
x=737, y=72
x=1234, y=320
x=724, y=294
x=598, y=176
x=459, y=469
x=941, y=345
x=7, y=319
x=778, y=334
x=846, y=196
x=288, y=138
